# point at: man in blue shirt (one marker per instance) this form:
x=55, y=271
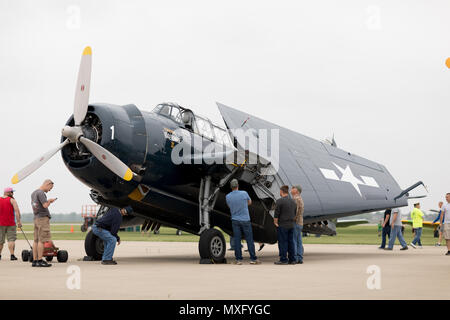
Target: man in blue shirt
x=238, y=202
x=106, y=228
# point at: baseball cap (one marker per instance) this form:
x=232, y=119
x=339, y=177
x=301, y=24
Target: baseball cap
x=8, y=189
x=128, y=209
x=234, y=183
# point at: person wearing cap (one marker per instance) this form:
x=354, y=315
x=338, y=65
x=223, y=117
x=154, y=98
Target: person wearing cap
x=417, y=220
x=238, y=202
x=42, y=217
x=9, y=214
x=298, y=228
x=106, y=228
x=396, y=230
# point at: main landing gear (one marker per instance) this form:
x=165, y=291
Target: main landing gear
x=212, y=246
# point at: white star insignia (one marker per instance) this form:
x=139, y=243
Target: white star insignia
x=348, y=176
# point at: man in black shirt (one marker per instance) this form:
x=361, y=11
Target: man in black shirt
x=284, y=219
x=106, y=228
x=386, y=228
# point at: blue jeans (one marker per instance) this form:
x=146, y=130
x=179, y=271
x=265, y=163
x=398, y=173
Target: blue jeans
x=396, y=231
x=417, y=237
x=109, y=242
x=243, y=228
x=298, y=242
x=386, y=232
x=232, y=243
x=286, y=244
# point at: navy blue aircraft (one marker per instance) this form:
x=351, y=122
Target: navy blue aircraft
x=173, y=167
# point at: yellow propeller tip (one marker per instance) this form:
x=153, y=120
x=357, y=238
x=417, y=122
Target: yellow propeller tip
x=128, y=175
x=447, y=63
x=87, y=51
x=15, y=179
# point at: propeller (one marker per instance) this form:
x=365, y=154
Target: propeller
x=75, y=134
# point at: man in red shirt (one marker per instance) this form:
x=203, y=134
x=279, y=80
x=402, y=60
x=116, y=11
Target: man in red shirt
x=9, y=211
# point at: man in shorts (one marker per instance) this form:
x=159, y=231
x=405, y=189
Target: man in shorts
x=9, y=213
x=42, y=217
x=445, y=222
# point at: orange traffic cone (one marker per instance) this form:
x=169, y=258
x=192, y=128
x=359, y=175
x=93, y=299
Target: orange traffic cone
x=71, y=229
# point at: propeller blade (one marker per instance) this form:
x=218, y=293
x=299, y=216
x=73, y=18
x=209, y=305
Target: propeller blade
x=36, y=164
x=83, y=85
x=108, y=159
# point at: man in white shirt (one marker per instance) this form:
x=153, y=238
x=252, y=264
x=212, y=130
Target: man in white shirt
x=445, y=226
x=396, y=230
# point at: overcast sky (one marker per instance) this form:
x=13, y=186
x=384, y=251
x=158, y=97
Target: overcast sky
x=371, y=72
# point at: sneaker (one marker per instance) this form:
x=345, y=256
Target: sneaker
x=261, y=246
x=413, y=245
x=448, y=253
x=43, y=264
x=109, y=262
x=389, y=249
x=300, y=262
x=237, y=262
x=280, y=262
x=255, y=262
x=437, y=244
x=33, y=264
x=404, y=248
x=13, y=257
x=292, y=262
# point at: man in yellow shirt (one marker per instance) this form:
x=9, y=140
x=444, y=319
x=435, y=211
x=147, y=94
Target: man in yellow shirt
x=417, y=218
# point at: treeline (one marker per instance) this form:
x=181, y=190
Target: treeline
x=56, y=217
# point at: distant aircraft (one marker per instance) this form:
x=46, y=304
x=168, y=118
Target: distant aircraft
x=126, y=156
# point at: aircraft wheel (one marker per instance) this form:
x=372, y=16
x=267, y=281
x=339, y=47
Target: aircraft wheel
x=93, y=246
x=212, y=245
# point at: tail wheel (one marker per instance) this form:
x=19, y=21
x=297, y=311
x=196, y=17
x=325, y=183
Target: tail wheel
x=212, y=245
x=93, y=246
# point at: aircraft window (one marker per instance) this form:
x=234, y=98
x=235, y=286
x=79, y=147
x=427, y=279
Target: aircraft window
x=204, y=128
x=176, y=114
x=157, y=108
x=222, y=136
x=165, y=110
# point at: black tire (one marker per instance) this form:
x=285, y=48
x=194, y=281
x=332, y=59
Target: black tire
x=93, y=246
x=49, y=258
x=212, y=245
x=25, y=255
x=178, y=233
x=30, y=256
x=62, y=256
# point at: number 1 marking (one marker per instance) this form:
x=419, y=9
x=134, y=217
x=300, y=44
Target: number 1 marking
x=112, y=134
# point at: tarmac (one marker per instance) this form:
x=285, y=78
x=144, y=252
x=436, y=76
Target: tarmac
x=171, y=270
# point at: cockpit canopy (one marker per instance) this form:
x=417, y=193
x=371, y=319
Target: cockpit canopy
x=199, y=125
